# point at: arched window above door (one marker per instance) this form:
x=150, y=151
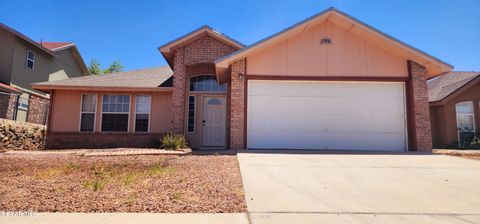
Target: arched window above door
x=206, y=83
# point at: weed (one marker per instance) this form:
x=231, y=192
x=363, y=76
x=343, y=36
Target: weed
x=158, y=169
x=177, y=195
x=72, y=166
x=130, y=178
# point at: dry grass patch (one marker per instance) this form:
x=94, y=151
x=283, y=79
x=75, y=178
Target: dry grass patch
x=69, y=183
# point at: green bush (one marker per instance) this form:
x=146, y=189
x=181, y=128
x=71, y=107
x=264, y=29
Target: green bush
x=475, y=143
x=173, y=141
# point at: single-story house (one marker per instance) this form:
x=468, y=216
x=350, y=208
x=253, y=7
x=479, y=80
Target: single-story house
x=328, y=82
x=454, y=108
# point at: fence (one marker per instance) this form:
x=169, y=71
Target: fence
x=24, y=107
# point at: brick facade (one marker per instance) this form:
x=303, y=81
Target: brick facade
x=37, y=109
x=204, y=50
x=420, y=115
x=101, y=140
x=178, y=95
x=7, y=105
x=237, y=105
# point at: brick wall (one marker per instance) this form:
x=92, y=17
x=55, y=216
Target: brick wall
x=7, y=105
x=237, y=105
x=422, y=136
x=37, y=109
x=101, y=140
x=204, y=50
x=178, y=95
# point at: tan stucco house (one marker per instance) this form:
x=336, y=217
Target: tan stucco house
x=23, y=62
x=454, y=108
x=328, y=82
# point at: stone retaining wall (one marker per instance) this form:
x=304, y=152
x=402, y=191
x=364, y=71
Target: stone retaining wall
x=16, y=135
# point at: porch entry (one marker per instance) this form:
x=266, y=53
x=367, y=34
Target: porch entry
x=214, y=121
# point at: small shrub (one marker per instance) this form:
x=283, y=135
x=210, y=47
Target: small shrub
x=173, y=141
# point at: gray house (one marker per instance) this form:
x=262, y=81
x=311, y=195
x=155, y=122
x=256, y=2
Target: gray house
x=24, y=61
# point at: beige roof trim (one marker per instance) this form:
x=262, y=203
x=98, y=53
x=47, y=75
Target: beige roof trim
x=433, y=65
x=102, y=88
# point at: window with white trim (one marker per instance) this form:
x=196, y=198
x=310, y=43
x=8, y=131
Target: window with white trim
x=30, y=60
x=465, y=123
x=115, y=112
x=142, y=112
x=191, y=114
x=87, y=112
x=206, y=83
x=23, y=103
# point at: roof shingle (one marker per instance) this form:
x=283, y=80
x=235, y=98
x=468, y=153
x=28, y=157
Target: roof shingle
x=444, y=85
x=141, y=78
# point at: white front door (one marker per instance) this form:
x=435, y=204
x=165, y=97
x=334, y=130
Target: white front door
x=326, y=115
x=214, y=121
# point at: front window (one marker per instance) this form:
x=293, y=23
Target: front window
x=206, y=83
x=115, y=112
x=30, y=60
x=465, y=123
x=142, y=113
x=87, y=116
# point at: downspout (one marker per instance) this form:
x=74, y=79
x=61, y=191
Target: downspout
x=15, y=109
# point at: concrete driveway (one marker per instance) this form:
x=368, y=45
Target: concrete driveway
x=360, y=188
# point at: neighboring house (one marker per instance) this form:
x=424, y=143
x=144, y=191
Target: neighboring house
x=23, y=62
x=454, y=108
x=328, y=82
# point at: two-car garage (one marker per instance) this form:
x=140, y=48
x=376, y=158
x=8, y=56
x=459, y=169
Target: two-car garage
x=328, y=115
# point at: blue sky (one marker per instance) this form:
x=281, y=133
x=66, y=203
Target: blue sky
x=131, y=31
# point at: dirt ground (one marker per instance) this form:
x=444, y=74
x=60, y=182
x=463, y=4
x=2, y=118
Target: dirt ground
x=72, y=183
x=475, y=157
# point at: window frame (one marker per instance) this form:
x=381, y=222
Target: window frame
x=20, y=104
x=194, y=114
x=94, y=112
x=211, y=92
x=464, y=114
x=129, y=112
x=28, y=59
x=149, y=114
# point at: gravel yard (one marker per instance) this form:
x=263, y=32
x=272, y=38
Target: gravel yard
x=72, y=183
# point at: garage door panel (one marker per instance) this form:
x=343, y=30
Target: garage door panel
x=334, y=123
x=327, y=141
x=326, y=115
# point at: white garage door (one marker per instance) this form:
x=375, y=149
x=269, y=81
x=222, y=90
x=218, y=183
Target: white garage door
x=326, y=115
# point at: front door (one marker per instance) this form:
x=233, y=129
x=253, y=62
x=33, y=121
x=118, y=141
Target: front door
x=214, y=121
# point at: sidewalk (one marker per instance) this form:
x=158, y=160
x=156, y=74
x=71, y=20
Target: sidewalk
x=123, y=218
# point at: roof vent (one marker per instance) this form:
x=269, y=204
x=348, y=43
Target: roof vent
x=326, y=41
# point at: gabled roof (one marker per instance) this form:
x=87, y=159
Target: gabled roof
x=434, y=65
x=56, y=46
x=142, y=79
x=441, y=87
x=60, y=46
x=168, y=48
x=25, y=38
